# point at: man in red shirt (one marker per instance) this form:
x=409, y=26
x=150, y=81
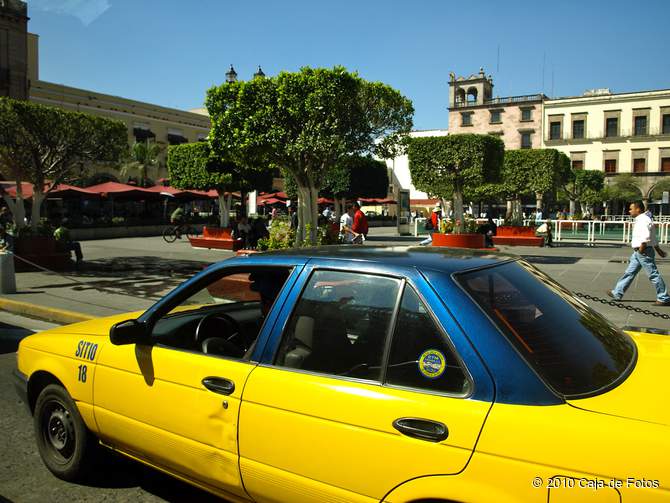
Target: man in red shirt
x=360, y=225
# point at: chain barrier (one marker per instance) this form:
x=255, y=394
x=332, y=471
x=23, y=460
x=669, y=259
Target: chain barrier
x=621, y=305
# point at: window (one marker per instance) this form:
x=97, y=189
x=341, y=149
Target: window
x=466, y=119
x=420, y=356
x=666, y=123
x=223, y=317
x=578, y=164
x=578, y=129
x=555, y=131
x=495, y=116
x=576, y=350
x=526, y=114
x=639, y=165
x=340, y=325
x=640, y=125
x=610, y=165
x=526, y=140
x=612, y=127
x=665, y=164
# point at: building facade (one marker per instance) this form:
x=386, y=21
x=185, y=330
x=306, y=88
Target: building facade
x=517, y=120
x=13, y=49
x=615, y=133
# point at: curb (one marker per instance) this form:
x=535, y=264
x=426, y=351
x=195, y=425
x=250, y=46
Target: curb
x=52, y=314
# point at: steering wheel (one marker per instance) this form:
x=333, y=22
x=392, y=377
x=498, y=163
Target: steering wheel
x=232, y=327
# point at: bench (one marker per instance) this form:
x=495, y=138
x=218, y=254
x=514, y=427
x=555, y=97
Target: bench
x=216, y=237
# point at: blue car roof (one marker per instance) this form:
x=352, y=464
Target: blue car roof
x=448, y=260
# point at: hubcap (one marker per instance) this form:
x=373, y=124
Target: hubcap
x=59, y=429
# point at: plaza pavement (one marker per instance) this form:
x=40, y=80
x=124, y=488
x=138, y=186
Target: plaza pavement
x=130, y=274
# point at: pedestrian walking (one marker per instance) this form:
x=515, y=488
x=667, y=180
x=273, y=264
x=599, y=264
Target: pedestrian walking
x=360, y=224
x=347, y=235
x=643, y=257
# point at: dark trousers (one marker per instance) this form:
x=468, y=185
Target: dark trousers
x=76, y=248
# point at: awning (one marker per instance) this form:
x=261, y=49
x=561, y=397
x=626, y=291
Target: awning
x=270, y=200
x=324, y=200
x=121, y=190
x=142, y=134
x=61, y=190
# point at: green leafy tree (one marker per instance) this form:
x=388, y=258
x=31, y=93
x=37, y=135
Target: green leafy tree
x=47, y=146
x=355, y=177
x=195, y=166
x=584, y=186
x=446, y=166
x=304, y=123
x=531, y=171
x=143, y=157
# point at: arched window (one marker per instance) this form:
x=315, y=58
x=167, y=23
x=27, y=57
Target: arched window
x=472, y=95
x=460, y=95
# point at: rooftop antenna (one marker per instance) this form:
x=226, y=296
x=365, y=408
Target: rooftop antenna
x=498, y=60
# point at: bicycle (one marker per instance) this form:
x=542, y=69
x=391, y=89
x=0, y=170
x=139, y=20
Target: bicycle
x=170, y=233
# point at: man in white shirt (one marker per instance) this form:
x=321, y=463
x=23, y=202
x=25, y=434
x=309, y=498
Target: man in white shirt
x=346, y=221
x=643, y=257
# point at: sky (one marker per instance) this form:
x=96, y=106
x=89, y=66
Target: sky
x=169, y=52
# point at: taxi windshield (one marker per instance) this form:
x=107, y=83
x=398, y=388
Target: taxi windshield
x=577, y=351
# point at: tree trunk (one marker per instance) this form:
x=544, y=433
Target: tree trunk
x=458, y=210
x=509, y=212
x=224, y=209
x=573, y=206
x=338, y=209
x=538, y=200
x=307, y=215
x=38, y=198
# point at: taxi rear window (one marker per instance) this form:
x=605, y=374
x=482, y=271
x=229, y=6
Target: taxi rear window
x=575, y=349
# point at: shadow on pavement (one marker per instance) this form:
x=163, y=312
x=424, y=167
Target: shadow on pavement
x=10, y=336
x=115, y=471
x=145, y=277
x=547, y=259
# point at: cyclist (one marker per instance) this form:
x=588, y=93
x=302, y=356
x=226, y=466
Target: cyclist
x=178, y=219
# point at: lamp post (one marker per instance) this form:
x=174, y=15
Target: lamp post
x=231, y=75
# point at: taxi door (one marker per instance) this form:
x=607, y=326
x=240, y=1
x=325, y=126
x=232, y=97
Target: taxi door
x=178, y=408
x=360, y=389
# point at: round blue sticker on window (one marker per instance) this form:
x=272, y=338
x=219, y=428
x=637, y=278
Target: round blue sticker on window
x=432, y=364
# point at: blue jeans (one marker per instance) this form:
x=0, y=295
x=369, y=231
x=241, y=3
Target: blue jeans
x=642, y=260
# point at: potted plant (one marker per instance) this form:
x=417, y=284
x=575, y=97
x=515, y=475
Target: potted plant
x=444, y=166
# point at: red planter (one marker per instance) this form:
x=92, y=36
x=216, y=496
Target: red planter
x=516, y=230
x=459, y=240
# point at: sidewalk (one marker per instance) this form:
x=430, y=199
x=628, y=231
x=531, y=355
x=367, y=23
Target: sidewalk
x=130, y=274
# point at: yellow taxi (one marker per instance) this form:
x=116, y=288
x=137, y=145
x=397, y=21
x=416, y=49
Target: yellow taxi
x=360, y=374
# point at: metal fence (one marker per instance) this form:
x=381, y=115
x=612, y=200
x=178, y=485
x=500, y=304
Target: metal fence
x=591, y=232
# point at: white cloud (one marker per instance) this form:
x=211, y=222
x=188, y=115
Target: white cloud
x=86, y=11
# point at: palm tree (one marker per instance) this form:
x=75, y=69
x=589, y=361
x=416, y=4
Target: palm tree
x=143, y=155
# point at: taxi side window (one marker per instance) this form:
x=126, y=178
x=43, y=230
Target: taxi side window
x=420, y=356
x=340, y=325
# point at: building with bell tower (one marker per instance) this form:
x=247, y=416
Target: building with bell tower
x=474, y=109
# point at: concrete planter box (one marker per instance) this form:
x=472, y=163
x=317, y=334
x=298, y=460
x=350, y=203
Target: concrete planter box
x=459, y=240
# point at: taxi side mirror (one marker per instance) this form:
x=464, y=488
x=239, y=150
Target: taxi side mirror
x=128, y=332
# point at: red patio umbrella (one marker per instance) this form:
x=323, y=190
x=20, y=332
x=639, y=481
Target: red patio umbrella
x=121, y=189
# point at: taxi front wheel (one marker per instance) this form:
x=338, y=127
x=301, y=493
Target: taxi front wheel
x=64, y=443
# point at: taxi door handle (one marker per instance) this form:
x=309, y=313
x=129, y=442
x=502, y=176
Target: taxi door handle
x=219, y=385
x=423, y=429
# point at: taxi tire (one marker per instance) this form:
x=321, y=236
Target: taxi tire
x=56, y=412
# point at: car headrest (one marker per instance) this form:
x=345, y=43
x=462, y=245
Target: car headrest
x=304, y=330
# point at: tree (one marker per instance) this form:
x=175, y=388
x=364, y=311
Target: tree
x=195, y=166
x=143, y=155
x=584, y=186
x=445, y=166
x=532, y=171
x=47, y=146
x=356, y=176
x=304, y=123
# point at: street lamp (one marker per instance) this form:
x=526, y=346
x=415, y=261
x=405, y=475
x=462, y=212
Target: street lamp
x=231, y=75
x=259, y=74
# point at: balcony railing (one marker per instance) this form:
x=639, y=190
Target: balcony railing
x=621, y=134
x=509, y=100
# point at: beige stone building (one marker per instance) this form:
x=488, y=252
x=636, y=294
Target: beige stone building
x=517, y=120
x=13, y=49
x=19, y=78
x=613, y=132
